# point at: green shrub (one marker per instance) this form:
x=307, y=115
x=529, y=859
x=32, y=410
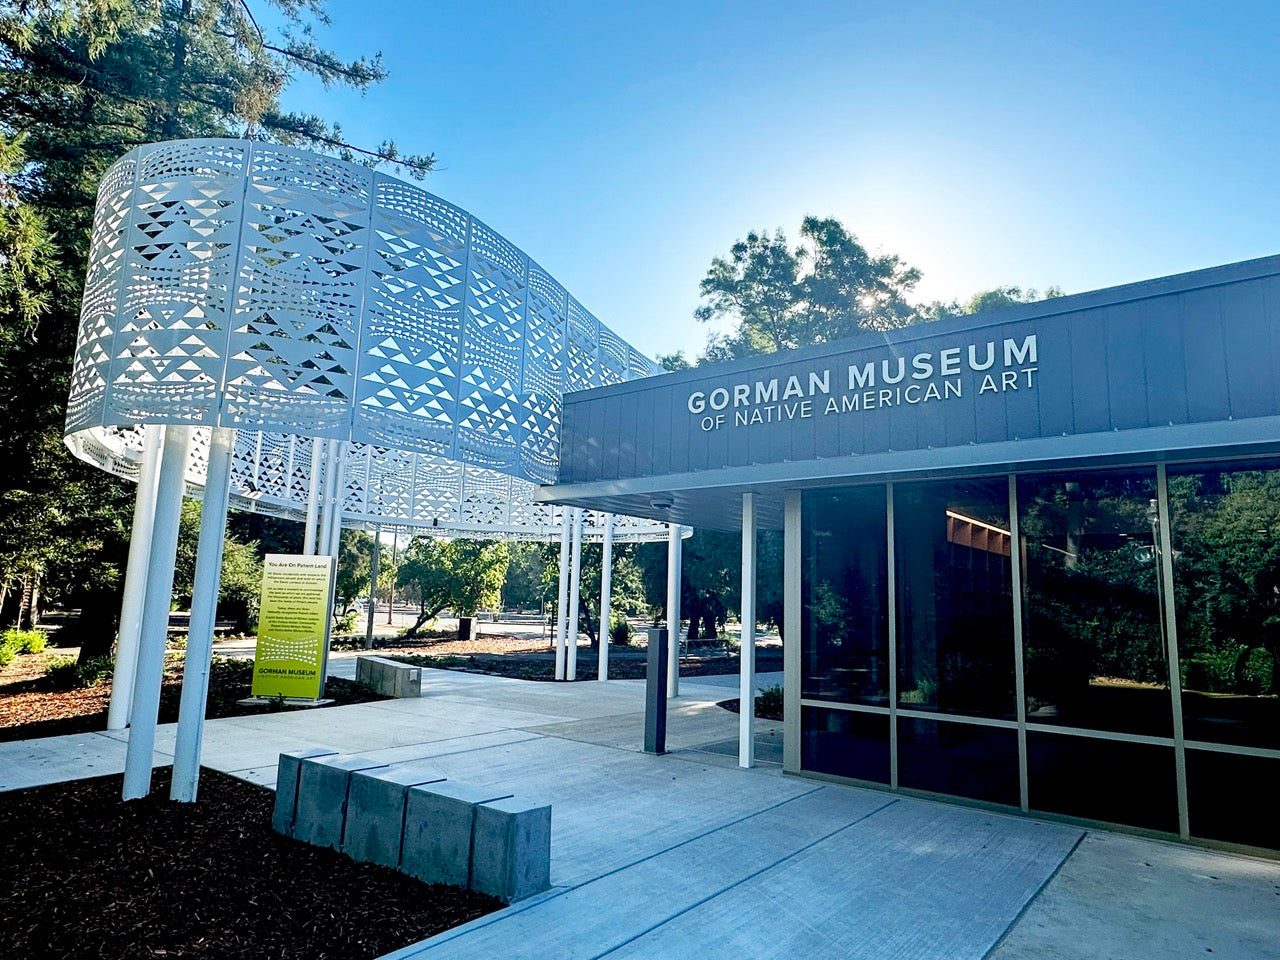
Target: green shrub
x=1258, y=671
x=25, y=641
x=346, y=623
x=769, y=702
x=7, y=653
x=620, y=630
x=67, y=674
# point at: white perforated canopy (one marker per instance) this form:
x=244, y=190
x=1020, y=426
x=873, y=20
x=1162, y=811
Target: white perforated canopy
x=294, y=296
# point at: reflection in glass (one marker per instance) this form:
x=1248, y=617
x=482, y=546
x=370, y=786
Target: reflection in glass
x=845, y=744
x=845, y=619
x=1093, y=641
x=958, y=758
x=1130, y=783
x=1233, y=798
x=955, y=603
x=1226, y=538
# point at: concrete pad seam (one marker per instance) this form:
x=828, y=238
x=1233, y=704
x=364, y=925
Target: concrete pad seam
x=747, y=879
x=448, y=936
x=559, y=891
x=1035, y=896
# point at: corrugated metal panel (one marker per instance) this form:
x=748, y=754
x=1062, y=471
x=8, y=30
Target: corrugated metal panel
x=1180, y=354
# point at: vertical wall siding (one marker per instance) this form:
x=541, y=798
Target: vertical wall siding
x=1189, y=355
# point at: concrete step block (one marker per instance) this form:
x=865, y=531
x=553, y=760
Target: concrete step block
x=389, y=677
x=511, y=849
x=437, y=830
x=287, y=771
x=323, y=784
x=374, y=824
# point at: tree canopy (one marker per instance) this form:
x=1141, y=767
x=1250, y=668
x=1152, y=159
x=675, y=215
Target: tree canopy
x=81, y=82
x=463, y=575
x=826, y=288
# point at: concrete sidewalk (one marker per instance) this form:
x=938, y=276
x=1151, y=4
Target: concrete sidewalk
x=687, y=854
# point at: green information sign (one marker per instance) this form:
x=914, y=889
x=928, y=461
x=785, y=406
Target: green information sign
x=293, y=626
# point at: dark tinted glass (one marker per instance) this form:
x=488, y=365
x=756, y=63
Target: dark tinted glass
x=1093, y=640
x=1130, y=783
x=1233, y=798
x=1226, y=538
x=845, y=620
x=845, y=744
x=955, y=605
x=958, y=758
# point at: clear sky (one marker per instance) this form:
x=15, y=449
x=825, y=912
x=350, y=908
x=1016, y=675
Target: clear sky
x=624, y=144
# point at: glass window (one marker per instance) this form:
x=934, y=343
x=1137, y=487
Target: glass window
x=845, y=744
x=955, y=602
x=958, y=758
x=844, y=590
x=1233, y=798
x=1094, y=653
x=1131, y=783
x=1226, y=569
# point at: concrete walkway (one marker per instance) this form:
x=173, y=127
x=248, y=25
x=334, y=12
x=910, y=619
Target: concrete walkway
x=684, y=855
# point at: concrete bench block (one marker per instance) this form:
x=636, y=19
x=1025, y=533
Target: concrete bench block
x=287, y=772
x=376, y=809
x=511, y=849
x=437, y=831
x=389, y=677
x=323, y=784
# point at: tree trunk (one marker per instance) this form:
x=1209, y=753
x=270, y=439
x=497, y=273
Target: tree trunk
x=171, y=125
x=584, y=613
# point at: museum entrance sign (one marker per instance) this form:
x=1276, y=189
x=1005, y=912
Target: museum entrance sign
x=293, y=626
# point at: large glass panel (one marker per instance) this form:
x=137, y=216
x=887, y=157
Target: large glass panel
x=845, y=743
x=1226, y=569
x=1094, y=653
x=958, y=758
x=844, y=591
x=955, y=602
x=1132, y=783
x=1233, y=798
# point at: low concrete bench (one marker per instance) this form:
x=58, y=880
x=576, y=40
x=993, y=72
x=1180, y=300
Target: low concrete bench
x=389, y=677
x=408, y=817
x=287, y=773
x=438, y=823
x=511, y=849
x=323, y=787
x=374, y=827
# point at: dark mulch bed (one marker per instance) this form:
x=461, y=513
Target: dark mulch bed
x=766, y=710
x=624, y=664
x=32, y=707
x=85, y=875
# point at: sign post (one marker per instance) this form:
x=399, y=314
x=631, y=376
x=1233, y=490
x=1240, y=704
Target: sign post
x=293, y=626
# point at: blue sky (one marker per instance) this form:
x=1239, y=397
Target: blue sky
x=623, y=145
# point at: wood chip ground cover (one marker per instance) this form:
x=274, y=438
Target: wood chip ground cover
x=30, y=706
x=85, y=875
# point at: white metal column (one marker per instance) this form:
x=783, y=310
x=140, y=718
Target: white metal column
x=313, y=497
x=575, y=593
x=334, y=497
x=1019, y=657
x=1171, y=639
x=791, y=566
x=747, y=644
x=155, y=614
x=606, y=595
x=674, y=562
x=327, y=486
x=562, y=595
x=135, y=579
x=204, y=607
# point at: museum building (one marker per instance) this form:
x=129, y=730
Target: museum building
x=1030, y=557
